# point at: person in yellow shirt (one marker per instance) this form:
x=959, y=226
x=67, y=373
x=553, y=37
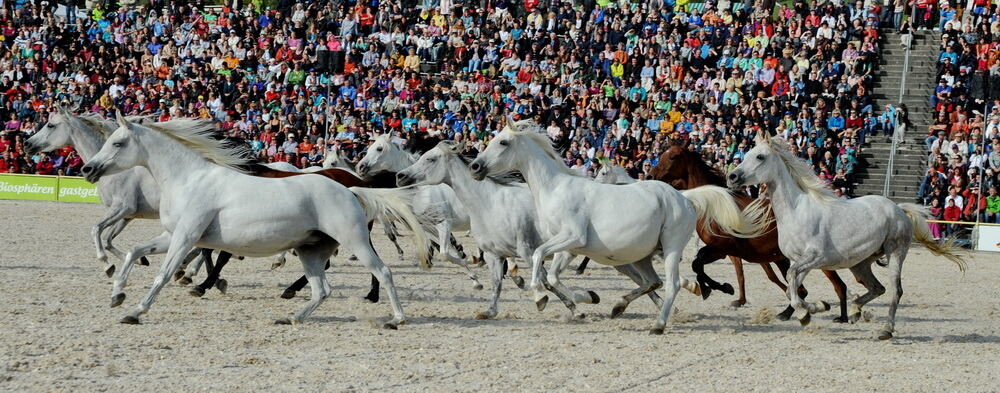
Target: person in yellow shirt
x=617, y=71
x=412, y=62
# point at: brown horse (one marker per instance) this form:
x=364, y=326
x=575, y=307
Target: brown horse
x=684, y=169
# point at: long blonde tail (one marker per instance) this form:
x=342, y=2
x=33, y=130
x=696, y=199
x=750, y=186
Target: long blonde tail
x=717, y=205
x=921, y=233
x=393, y=205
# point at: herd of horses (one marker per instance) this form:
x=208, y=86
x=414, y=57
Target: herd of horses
x=516, y=199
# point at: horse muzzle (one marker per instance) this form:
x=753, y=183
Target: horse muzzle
x=735, y=179
x=31, y=148
x=478, y=169
x=92, y=173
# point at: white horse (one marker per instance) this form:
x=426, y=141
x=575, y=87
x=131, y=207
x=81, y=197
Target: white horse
x=208, y=202
x=820, y=231
x=613, y=174
x=499, y=212
x=589, y=218
x=128, y=194
x=437, y=205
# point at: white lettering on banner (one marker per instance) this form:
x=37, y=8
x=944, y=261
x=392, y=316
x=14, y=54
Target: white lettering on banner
x=77, y=191
x=26, y=188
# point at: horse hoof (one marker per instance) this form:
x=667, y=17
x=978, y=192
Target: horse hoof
x=579, y=317
x=483, y=315
x=594, y=299
x=371, y=298
x=276, y=265
x=110, y=271
x=885, y=335
x=727, y=289
x=840, y=319
x=283, y=321
x=804, y=321
x=390, y=326
x=657, y=331
x=143, y=261
x=352, y=258
x=197, y=292
x=240, y=257
x=706, y=291
x=477, y=286
x=222, y=285
x=117, y=300
x=854, y=317
x=288, y=294
x=579, y=271
x=541, y=303
x=824, y=306
x=185, y=281
x=618, y=309
x=786, y=315
x=518, y=281
x=178, y=275
x=740, y=303
x=130, y=320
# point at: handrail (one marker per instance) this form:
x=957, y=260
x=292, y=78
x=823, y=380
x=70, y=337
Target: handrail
x=902, y=91
x=982, y=224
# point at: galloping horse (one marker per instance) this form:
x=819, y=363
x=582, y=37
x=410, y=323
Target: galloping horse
x=821, y=231
x=684, y=169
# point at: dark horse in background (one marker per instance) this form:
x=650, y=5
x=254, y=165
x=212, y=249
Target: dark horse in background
x=684, y=169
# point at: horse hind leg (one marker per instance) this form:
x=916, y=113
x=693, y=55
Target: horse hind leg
x=740, y=282
x=863, y=272
x=212, y=278
x=895, y=265
x=841, y=289
x=673, y=248
x=706, y=284
x=495, y=265
x=312, y=258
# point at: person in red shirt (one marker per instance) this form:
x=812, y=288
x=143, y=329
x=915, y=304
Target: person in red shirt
x=952, y=213
x=45, y=166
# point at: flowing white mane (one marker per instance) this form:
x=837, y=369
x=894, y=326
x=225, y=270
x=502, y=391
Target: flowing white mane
x=199, y=135
x=803, y=175
x=531, y=130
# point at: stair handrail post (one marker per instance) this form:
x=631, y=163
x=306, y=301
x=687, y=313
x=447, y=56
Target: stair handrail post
x=895, y=134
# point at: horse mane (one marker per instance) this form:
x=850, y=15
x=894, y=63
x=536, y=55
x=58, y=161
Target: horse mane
x=543, y=142
x=96, y=122
x=804, y=176
x=712, y=175
x=201, y=136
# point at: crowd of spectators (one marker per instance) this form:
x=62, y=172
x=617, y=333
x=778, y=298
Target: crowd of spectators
x=963, y=165
x=611, y=81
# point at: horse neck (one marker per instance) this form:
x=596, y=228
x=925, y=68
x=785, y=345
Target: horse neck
x=471, y=192
x=86, y=140
x=539, y=171
x=786, y=195
x=400, y=160
x=169, y=161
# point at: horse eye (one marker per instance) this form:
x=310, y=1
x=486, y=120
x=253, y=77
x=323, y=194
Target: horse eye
x=51, y=126
x=432, y=160
x=504, y=143
x=117, y=144
x=760, y=157
x=379, y=150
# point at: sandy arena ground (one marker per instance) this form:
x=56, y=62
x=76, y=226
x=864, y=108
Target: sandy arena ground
x=58, y=333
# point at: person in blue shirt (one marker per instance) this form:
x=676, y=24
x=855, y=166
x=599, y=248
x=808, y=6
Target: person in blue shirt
x=950, y=54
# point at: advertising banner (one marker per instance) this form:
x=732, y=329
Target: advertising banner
x=29, y=188
x=989, y=239
x=47, y=188
x=75, y=189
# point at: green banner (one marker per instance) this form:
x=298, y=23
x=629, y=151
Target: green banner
x=75, y=189
x=29, y=188
x=47, y=188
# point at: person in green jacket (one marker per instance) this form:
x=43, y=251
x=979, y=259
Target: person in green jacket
x=993, y=206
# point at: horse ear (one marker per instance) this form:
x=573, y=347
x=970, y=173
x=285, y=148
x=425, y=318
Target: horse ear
x=762, y=137
x=121, y=119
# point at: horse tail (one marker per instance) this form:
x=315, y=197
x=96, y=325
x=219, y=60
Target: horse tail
x=715, y=204
x=921, y=233
x=393, y=205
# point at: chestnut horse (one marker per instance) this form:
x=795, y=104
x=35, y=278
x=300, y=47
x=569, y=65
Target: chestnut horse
x=685, y=169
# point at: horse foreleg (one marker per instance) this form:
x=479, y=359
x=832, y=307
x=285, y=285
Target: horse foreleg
x=583, y=265
x=841, y=289
x=183, y=277
x=496, y=266
x=112, y=234
x=297, y=286
x=114, y=214
x=560, y=242
x=863, y=272
x=444, y=241
x=643, y=273
x=559, y=263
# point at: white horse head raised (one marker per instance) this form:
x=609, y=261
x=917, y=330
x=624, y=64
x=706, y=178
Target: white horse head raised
x=766, y=163
x=613, y=174
x=501, y=156
x=384, y=156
